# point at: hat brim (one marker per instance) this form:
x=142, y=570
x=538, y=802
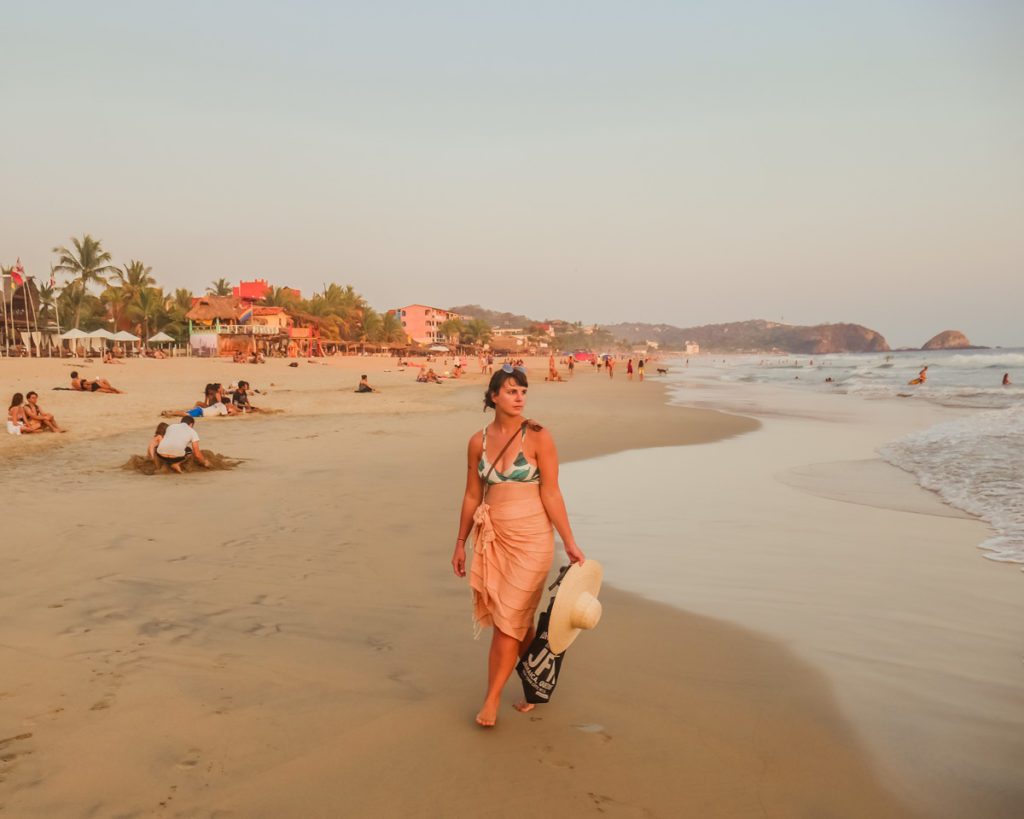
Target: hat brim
x=580, y=578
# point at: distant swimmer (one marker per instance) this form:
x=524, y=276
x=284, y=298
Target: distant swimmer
x=1006, y=379
x=921, y=377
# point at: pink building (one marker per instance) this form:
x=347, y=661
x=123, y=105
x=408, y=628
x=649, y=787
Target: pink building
x=421, y=323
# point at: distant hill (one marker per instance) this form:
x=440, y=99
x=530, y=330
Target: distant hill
x=493, y=317
x=754, y=336
x=757, y=336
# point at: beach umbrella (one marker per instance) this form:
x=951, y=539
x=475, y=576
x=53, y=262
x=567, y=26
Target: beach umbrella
x=102, y=335
x=438, y=348
x=161, y=338
x=74, y=335
x=124, y=335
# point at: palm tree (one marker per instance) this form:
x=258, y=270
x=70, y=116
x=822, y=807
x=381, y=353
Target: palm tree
x=77, y=307
x=451, y=329
x=279, y=297
x=86, y=264
x=476, y=331
x=391, y=329
x=150, y=310
x=125, y=291
x=221, y=287
x=177, y=307
x=372, y=325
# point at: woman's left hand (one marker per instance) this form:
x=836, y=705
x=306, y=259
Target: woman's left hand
x=575, y=553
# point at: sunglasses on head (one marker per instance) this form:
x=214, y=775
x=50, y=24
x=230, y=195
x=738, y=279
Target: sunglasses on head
x=507, y=368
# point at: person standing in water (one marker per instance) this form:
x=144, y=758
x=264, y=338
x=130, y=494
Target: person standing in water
x=511, y=502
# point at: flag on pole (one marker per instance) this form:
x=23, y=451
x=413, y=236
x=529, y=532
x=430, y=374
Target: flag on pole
x=18, y=273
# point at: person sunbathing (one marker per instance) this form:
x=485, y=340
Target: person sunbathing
x=108, y=358
x=18, y=422
x=35, y=413
x=96, y=385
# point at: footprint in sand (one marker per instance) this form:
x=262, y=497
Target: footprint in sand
x=548, y=757
x=11, y=749
x=594, y=728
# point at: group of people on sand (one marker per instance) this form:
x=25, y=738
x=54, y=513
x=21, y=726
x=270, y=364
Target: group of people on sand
x=83, y=384
x=25, y=416
x=254, y=357
x=215, y=402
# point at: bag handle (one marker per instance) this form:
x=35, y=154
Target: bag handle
x=508, y=443
x=561, y=574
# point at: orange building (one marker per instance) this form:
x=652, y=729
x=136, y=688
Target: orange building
x=422, y=323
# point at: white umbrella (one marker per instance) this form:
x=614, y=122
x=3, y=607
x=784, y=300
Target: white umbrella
x=161, y=337
x=124, y=335
x=74, y=335
x=439, y=348
x=101, y=333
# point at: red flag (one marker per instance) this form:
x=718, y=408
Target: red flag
x=18, y=273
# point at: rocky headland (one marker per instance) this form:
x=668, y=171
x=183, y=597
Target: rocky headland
x=948, y=340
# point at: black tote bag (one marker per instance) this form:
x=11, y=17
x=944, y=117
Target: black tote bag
x=539, y=666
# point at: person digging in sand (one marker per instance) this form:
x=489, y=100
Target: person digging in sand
x=180, y=441
x=512, y=497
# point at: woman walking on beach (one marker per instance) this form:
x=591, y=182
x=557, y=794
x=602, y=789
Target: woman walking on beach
x=512, y=497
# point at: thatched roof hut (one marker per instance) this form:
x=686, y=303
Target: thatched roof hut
x=217, y=308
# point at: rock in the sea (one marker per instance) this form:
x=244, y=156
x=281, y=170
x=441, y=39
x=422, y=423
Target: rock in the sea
x=948, y=340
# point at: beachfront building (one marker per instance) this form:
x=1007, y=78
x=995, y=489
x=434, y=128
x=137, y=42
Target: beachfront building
x=422, y=323
x=225, y=325
x=258, y=289
x=692, y=348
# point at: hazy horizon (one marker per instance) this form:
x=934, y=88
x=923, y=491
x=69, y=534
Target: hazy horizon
x=672, y=162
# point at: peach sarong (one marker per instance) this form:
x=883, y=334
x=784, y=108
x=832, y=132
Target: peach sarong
x=513, y=546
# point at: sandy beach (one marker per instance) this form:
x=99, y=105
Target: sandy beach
x=287, y=639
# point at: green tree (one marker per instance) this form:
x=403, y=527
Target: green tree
x=220, y=287
x=279, y=297
x=452, y=330
x=87, y=264
x=151, y=311
x=77, y=307
x=391, y=329
x=476, y=331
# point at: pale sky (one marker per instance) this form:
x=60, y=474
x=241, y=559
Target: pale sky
x=596, y=161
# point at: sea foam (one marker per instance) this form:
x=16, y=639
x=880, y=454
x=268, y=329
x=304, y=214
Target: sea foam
x=975, y=463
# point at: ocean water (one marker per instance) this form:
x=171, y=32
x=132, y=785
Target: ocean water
x=975, y=462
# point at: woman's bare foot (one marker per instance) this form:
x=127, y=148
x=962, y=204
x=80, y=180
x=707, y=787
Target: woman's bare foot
x=487, y=715
x=524, y=707
x=176, y=468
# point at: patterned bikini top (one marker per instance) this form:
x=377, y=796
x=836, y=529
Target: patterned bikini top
x=522, y=470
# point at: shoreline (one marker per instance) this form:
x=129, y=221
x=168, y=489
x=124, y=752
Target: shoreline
x=290, y=629
x=872, y=579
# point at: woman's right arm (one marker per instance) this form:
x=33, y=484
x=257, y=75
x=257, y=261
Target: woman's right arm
x=470, y=501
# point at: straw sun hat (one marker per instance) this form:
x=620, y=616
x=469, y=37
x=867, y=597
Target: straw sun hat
x=576, y=605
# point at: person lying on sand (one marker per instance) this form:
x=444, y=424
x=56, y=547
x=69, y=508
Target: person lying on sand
x=364, y=386
x=158, y=436
x=35, y=413
x=18, y=422
x=108, y=358
x=96, y=385
x=180, y=441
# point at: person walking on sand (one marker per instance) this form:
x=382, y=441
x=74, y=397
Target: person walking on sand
x=640, y=369
x=610, y=366
x=511, y=502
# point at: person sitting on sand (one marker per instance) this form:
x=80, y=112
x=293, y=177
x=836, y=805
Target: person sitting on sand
x=35, y=413
x=108, y=358
x=18, y=422
x=179, y=442
x=240, y=398
x=158, y=436
x=364, y=386
x=96, y=385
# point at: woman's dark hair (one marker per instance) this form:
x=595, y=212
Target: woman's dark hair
x=161, y=428
x=16, y=400
x=498, y=381
x=74, y=374
x=30, y=394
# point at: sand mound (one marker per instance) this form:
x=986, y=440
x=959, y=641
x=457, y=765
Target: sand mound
x=140, y=463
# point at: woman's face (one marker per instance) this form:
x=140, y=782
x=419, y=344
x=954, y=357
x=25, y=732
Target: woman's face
x=511, y=398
